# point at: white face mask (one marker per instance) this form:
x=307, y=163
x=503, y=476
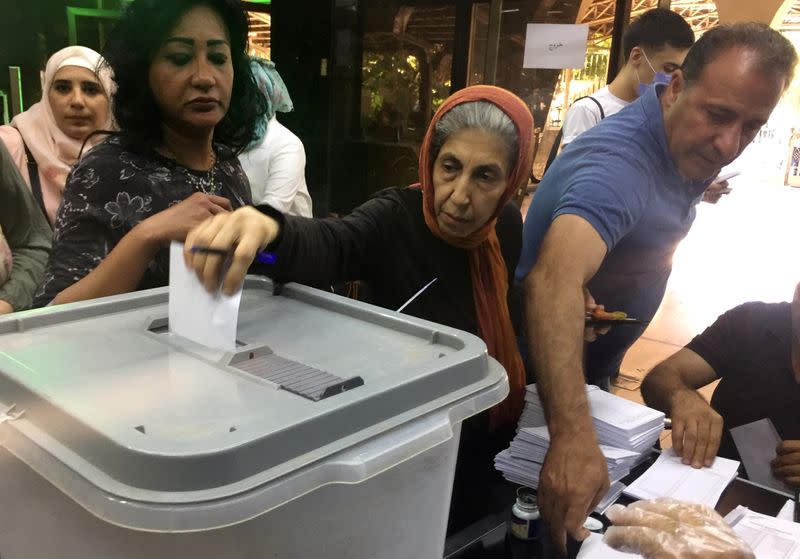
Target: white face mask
x=658, y=77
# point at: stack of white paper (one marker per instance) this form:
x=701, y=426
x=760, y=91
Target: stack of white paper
x=617, y=421
x=625, y=430
x=525, y=472
x=670, y=477
x=614, y=492
x=531, y=443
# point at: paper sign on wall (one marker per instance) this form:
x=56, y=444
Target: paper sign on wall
x=551, y=45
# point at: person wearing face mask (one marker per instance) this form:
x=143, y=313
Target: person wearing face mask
x=45, y=141
x=654, y=46
x=606, y=220
x=754, y=350
x=443, y=250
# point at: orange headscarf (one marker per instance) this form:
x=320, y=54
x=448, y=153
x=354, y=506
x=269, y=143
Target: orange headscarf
x=487, y=268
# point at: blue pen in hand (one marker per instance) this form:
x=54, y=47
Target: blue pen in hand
x=261, y=257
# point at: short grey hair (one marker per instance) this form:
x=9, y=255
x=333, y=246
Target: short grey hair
x=477, y=115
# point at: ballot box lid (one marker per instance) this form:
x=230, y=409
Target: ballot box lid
x=115, y=409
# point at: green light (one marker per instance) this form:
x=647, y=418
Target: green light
x=259, y=1
x=16, y=79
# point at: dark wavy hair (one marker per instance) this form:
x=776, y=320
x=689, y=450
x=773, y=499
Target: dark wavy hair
x=130, y=49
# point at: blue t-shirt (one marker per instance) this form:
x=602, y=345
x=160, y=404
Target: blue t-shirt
x=620, y=177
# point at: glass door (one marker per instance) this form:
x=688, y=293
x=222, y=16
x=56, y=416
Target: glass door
x=547, y=92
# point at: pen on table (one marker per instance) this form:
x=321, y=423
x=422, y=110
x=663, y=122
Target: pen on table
x=261, y=257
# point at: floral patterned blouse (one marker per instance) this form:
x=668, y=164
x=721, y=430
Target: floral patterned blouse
x=111, y=190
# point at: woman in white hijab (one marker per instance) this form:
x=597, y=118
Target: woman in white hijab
x=45, y=141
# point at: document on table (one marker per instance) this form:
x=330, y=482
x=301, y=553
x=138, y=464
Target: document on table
x=768, y=537
x=756, y=443
x=787, y=511
x=669, y=477
x=595, y=548
x=194, y=313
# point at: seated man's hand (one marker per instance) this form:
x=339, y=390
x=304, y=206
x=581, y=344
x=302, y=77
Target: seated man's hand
x=5, y=308
x=574, y=478
x=786, y=466
x=715, y=191
x=696, y=429
x=670, y=529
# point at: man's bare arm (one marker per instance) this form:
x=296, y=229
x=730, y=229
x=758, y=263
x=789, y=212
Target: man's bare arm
x=574, y=476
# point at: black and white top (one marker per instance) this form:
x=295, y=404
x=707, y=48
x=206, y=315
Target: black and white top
x=110, y=191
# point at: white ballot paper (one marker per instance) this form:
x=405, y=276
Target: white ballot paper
x=555, y=45
x=787, y=511
x=194, y=313
x=756, y=443
x=670, y=477
x=594, y=547
x=768, y=537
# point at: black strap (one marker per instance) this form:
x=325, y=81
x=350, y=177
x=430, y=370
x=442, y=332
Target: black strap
x=596, y=102
x=33, y=173
x=560, y=135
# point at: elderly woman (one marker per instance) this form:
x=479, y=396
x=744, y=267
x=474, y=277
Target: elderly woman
x=45, y=141
x=275, y=161
x=186, y=102
x=453, y=235
x=24, y=239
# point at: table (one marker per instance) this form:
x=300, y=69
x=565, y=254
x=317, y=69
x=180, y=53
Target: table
x=486, y=539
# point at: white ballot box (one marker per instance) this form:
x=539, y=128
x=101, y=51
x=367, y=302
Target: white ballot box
x=330, y=431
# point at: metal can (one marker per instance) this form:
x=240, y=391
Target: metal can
x=526, y=523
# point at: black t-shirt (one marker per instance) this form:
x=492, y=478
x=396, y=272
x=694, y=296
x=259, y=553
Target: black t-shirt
x=749, y=348
x=386, y=244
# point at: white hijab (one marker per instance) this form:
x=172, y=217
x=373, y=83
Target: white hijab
x=54, y=151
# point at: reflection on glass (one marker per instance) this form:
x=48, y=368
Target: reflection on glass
x=406, y=69
x=258, y=40
x=547, y=92
x=477, y=51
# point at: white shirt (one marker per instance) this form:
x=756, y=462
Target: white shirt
x=276, y=170
x=584, y=113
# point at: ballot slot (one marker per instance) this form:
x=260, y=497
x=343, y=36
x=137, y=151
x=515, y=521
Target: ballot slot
x=292, y=376
x=264, y=364
x=160, y=325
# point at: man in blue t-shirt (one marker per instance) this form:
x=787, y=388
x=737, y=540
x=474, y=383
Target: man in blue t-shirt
x=605, y=223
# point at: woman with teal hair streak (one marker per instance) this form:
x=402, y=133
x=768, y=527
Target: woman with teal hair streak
x=275, y=161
